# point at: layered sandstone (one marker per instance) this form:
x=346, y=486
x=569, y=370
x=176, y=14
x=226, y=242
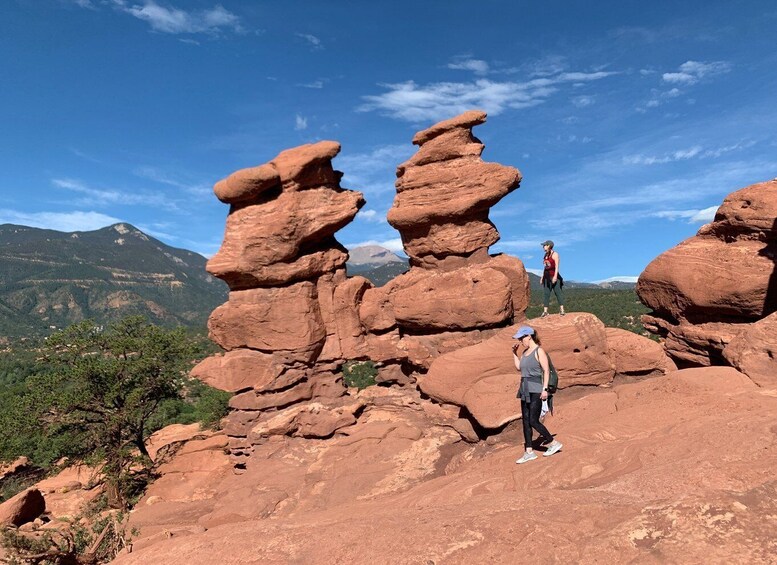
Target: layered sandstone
x=710, y=288
x=293, y=316
x=483, y=379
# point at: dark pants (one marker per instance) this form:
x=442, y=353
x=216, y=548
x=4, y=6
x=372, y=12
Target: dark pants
x=530, y=414
x=556, y=289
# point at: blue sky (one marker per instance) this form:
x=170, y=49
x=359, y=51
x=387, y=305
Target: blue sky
x=630, y=121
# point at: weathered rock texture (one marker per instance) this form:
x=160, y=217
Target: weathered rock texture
x=710, y=288
x=401, y=487
x=483, y=379
x=293, y=317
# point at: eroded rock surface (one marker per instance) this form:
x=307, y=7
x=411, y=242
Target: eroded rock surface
x=710, y=288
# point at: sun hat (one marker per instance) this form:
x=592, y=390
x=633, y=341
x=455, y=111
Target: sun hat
x=523, y=331
x=549, y=243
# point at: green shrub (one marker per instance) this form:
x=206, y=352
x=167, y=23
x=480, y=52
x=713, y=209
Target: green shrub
x=359, y=374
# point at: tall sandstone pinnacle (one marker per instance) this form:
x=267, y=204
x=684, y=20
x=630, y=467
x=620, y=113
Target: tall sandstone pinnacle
x=714, y=296
x=293, y=317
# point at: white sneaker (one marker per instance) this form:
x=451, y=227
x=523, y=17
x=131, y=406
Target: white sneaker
x=553, y=448
x=526, y=457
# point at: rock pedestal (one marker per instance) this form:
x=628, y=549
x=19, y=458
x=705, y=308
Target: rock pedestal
x=293, y=316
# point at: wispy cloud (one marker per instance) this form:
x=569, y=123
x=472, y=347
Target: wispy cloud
x=415, y=103
x=105, y=197
x=619, y=278
x=59, y=221
x=373, y=172
x=692, y=216
x=88, y=4
x=463, y=63
x=696, y=151
x=370, y=216
x=315, y=84
x=313, y=41
x=176, y=21
x=394, y=245
x=300, y=123
x=583, y=101
x=156, y=175
x=692, y=72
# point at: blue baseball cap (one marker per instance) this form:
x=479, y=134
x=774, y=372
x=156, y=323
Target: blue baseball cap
x=523, y=331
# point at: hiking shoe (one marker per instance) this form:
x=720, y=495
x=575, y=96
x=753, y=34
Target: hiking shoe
x=544, y=315
x=526, y=457
x=553, y=448
x=562, y=313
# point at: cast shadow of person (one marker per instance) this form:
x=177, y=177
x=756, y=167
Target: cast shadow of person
x=770, y=252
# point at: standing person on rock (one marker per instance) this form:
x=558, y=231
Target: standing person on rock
x=535, y=373
x=551, y=279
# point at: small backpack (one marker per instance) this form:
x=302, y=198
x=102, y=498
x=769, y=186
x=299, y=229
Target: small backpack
x=552, y=376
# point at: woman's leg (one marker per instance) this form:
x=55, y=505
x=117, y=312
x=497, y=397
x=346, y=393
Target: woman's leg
x=559, y=295
x=535, y=407
x=525, y=416
x=545, y=297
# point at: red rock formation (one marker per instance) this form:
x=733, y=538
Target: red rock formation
x=22, y=508
x=711, y=287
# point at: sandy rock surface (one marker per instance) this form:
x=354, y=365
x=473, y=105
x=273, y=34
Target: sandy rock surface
x=675, y=469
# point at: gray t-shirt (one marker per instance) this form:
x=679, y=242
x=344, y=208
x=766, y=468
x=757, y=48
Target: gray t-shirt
x=531, y=375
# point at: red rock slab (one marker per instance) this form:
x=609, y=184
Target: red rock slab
x=693, y=344
x=461, y=237
x=748, y=213
x=754, y=351
x=308, y=165
x=448, y=190
x=705, y=280
x=174, y=433
x=422, y=349
x=467, y=120
x=242, y=369
x=314, y=386
x=375, y=311
x=474, y=297
x=637, y=355
x=285, y=321
x=514, y=270
x=458, y=143
x=310, y=420
x=22, y=508
x=13, y=467
x=484, y=379
x=275, y=231
x=246, y=184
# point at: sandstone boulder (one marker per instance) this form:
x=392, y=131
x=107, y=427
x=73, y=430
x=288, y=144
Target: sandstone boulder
x=462, y=299
x=22, y=508
x=285, y=321
x=483, y=378
x=754, y=351
x=637, y=355
x=247, y=184
x=241, y=369
x=748, y=213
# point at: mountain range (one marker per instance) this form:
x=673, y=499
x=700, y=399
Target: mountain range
x=51, y=279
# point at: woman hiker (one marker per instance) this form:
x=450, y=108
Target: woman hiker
x=551, y=280
x=535, y=372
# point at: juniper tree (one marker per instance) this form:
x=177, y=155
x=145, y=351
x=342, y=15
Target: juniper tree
x=103, y=385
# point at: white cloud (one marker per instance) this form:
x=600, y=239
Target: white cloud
x=693, y=216
x=315, y=84
x=314, y=41
x=370, y=216
x=104, y=197
x=465, y=64
x=619, y=278
x=692, y=72
x=372, y=172
x=85, y=4
x=583, y=101
x=538, y=272
x=300, y=123
x=175, y=20
x=411, y=102
x=394, y=245
x=550, y=65
x=685, y=154
x=59, y=221
x=154, y=174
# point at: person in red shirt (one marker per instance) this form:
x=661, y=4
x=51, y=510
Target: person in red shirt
x=551, y=280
